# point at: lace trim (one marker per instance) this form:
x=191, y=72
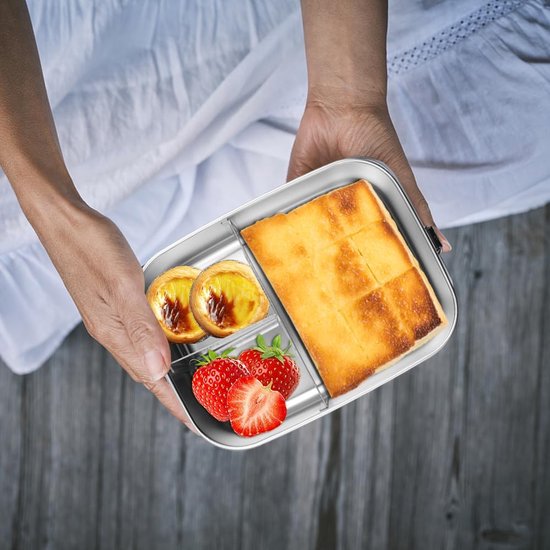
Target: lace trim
x=449, y=37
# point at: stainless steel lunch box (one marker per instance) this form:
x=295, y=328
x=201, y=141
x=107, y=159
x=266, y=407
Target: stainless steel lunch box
x=221, y=239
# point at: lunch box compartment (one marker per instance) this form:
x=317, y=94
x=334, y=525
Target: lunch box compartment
x=306, y=401
x=309, y=397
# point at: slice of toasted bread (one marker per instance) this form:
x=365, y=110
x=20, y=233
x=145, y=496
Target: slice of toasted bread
x=348, y=281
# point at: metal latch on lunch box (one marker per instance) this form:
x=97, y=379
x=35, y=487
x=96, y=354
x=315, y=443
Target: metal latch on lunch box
x=430, y=231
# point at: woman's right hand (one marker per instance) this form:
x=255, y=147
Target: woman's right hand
x=106, y=283
x=92, y=256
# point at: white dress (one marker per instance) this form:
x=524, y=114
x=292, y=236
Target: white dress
x=171, y=114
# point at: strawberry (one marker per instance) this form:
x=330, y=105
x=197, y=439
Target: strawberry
x=212, y=381
x=253, y=407
x=272, y=364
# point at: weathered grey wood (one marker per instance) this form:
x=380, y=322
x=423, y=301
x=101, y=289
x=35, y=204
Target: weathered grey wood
x=541, y=467
x=11, y=442
x=454, y=454
x=500, y=411
x=465, y=422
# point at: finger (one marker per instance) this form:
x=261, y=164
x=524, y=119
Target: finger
x=127, y=354
x=165, y=394
x=150, y=353
x=425, y=214
x=445, y=244
x=406, y=176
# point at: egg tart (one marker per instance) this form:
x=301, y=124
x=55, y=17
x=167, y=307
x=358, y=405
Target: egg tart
x=168, y=296
x=226, y=297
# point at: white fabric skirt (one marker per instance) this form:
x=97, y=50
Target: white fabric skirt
x=171, y=114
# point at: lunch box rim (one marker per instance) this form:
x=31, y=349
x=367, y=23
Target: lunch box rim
x=430, y=237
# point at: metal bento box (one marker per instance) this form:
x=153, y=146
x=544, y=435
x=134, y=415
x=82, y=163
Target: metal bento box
x=221, y=239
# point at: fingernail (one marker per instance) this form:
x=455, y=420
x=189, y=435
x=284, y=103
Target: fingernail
x=155, y=364
x=445, y=244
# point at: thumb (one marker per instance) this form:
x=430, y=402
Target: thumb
x=151, y=352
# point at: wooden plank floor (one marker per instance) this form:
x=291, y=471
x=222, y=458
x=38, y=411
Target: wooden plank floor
x=453, y=455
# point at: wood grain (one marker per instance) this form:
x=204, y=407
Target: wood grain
x=452, y=455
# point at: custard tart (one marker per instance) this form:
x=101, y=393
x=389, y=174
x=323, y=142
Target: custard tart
x=168, y=296
x=226, y=297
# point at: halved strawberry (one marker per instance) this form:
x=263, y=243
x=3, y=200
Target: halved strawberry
x=254, y=408
x=212, y=381
x=272, y=364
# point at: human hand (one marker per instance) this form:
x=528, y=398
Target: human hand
x=93, y=258
x=106, y=283
x=329, y=132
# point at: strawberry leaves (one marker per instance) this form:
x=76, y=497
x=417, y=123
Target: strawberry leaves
x=274, y=350
x=211, y=356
